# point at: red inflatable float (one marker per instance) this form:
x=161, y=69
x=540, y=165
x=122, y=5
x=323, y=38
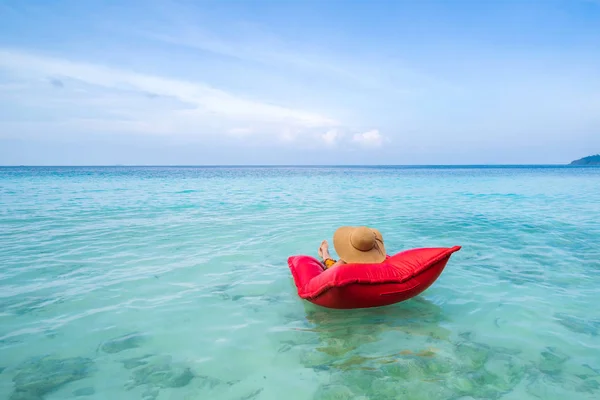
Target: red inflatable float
x=398, y=278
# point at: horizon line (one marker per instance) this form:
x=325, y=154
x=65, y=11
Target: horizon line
x=281, y=165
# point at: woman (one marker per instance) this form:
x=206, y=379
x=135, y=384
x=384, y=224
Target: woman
x=354, y=245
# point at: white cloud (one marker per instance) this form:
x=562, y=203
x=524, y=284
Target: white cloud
x=198, y=108
x=370, y=138
x=331, y=137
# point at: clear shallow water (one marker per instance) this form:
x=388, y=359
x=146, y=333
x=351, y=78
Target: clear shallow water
x=172, y=283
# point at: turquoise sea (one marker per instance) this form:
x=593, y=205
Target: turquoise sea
x=172, y=283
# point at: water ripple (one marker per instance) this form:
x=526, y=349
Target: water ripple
x=172, y=283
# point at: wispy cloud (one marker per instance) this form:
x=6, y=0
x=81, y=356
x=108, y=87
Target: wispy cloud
x=185, y=25
x=254, y=50
x=202, y=108
x=389, y=76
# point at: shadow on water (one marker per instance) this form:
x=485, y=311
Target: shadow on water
x=351, y=339
x=425, y=357
x=349, y=347
x=342, y=331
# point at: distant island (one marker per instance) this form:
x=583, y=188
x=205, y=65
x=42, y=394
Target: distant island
x=590, y=160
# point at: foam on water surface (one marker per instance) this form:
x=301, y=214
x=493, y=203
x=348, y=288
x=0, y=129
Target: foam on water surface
x=172, y=283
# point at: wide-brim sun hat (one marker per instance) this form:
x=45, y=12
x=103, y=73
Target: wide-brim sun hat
x=359, y=245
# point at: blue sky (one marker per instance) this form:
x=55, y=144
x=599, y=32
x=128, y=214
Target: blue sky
x=291, y=82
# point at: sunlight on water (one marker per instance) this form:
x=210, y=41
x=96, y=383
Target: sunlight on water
x=172, y=283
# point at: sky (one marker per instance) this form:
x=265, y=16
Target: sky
x=173, y=82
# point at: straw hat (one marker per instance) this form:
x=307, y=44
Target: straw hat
x=359, y=245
